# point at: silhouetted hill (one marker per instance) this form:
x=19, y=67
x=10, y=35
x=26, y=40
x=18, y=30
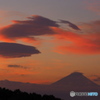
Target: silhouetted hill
x=74, y=82
x=26, y=87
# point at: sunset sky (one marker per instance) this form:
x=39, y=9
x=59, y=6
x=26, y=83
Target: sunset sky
x=42, y=41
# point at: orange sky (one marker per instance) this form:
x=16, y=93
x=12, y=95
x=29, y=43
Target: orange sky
x=44, y=46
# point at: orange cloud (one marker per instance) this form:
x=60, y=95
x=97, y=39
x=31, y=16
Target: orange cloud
x=87, y=42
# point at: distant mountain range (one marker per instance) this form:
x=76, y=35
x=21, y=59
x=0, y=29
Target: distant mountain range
x=74, y=82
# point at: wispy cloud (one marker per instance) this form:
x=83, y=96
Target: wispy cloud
x=73, y=26
x=86, y=43
x=17, y=66
x=97, y=79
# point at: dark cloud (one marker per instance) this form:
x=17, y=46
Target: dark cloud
x=43, y=21
x=34, y=26
x=17, y=66
x=70, y=24
x=97, y=79
x=14, y=66
x=14, y=50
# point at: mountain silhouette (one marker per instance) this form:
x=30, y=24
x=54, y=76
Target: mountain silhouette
x=74, y=82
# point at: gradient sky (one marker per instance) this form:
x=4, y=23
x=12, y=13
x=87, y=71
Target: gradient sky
x=49, y=39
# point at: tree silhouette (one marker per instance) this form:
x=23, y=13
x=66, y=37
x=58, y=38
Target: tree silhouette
x=6, y=94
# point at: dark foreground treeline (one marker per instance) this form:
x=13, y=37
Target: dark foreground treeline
x=6, y=94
